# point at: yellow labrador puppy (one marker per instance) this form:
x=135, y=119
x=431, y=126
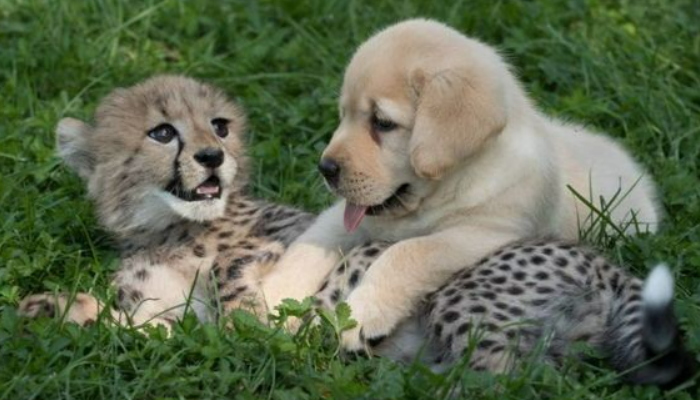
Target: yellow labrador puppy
x=440, y=150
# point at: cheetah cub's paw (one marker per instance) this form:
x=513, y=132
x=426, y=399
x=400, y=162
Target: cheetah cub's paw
x=83, y=309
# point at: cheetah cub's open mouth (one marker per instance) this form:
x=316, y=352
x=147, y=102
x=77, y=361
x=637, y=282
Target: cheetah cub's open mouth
x=208, y=190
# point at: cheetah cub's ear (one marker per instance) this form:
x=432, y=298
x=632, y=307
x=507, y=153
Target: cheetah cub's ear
x=73, y=146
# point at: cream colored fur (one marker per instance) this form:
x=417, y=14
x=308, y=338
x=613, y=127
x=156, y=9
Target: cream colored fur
x=484, y=166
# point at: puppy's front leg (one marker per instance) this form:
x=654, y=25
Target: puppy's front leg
x=309, y=259
x=408, y=271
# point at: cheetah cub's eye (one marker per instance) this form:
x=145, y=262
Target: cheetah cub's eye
x=163, y=133
x=220, y=126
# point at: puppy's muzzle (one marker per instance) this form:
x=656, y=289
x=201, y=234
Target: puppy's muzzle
x=330, y=169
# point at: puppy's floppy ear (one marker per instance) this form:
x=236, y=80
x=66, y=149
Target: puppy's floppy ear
x=455, y=115
x=73, y=148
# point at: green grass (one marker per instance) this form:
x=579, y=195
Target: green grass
x=629, y=68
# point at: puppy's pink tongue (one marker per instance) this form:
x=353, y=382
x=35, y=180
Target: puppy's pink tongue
x=353, y=216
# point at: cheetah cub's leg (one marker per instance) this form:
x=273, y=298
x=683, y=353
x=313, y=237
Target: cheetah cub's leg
x=81, y=309
x=348, y=274
x=146, y=294
x=158, y=294
x=237, y=274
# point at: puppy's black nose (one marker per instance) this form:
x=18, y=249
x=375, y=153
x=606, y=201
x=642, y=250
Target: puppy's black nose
x=210, y=157
x=330, y=170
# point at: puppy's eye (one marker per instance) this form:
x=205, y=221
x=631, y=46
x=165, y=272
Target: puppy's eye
x=383, y=125
x=163, y=133
x=220, y=126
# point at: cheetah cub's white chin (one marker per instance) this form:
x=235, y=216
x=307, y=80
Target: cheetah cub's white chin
x=199, y=210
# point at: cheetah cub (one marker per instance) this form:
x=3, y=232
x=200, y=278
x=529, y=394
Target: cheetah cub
x=535, y=299
x=164, y=163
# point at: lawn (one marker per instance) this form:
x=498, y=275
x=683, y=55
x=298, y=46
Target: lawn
x=629, y=68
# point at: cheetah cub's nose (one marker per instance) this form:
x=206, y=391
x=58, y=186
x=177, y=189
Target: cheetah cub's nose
x=210, y=157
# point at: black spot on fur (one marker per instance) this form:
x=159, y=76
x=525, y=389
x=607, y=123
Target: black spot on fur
x=464, y=328
x=454, y=300
x=515, y=290
x=519, y=276
x=341, y=268
x=565, y=277
x=437, y=330
x=141, y=275
x=537, y=260
x=450, y=316
x=335, y=296
x=497, y=349
x=354, y=278
x=485, y=272
x=538, y=302
x=499, y=280
x=485, y=344
x=233, y=295
x=184, y=236
x=465, y=274
x=488, y=295
x=224, y=235
x=561, y=262
x=135, y=296
x=469, y=285
x=542, y=276
x=199, y=251
x=235, y=267
x=544, y=290
x=490, y=327
x=507, y=256
x=222, y=247
x=500, y=317
x=634, y=298
x=504, y=267
x=477, y=309
x=371, y=252
x=615, y=281
x=516, y=311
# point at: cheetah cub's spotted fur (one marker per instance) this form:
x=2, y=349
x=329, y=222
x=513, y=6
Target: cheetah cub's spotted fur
x=530, y=296
x=165, y=166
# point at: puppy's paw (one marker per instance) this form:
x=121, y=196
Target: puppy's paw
x=374, y=323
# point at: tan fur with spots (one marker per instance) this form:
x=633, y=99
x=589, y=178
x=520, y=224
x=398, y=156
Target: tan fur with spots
x=180, y=231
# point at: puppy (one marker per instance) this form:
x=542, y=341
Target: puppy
x=440, y=150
